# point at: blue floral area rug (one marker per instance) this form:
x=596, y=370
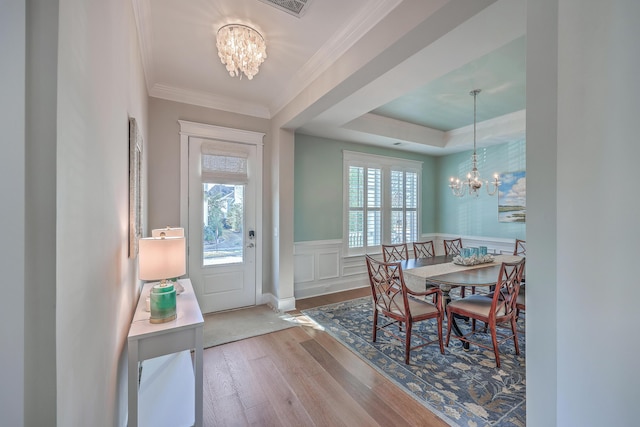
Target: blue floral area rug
x=463, y=387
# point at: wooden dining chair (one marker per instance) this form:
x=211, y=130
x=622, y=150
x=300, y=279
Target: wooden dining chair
x=496, y=310
x=402, y=306
x=521, y=250
x=423, y=249
x=397, y=252
x=452, y=246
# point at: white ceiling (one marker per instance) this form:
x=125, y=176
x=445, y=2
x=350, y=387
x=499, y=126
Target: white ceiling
x=366, y=71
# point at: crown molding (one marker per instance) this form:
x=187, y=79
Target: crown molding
x=335, y=47
x=142, y=16
x=208, y=100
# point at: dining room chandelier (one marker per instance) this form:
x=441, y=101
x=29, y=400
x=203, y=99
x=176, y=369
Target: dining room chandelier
x=472, y=184
x=241, y=49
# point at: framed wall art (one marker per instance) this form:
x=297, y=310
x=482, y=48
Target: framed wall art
x=512, y=197
x=135, y=187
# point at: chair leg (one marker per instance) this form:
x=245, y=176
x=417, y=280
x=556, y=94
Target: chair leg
x=375, y=323
x=494, y=339
x=407, y=342
x=440, y=334
x=514, y=330
x=448, y=327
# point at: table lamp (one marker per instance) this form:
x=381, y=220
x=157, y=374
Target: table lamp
x=162, y=258
x=169, y=231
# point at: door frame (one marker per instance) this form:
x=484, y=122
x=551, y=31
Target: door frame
x=200, y=130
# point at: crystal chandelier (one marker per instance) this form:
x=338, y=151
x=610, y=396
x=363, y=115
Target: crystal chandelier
x=241, y=48
x=472, y=184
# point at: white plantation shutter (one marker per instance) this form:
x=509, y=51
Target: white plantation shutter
x=381, y=201
x=223, y=167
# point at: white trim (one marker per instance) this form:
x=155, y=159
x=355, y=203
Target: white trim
x=366, y=158
x=352, y=272
x=202, y=130
x=281, y=304
x=333, y=49
x=208, y=100
x=142, y=16
x=386, y=165
x=316, y=243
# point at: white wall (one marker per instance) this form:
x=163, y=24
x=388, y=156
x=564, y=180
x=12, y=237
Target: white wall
x=100, y=85
x=582, y=303
x=541, y=332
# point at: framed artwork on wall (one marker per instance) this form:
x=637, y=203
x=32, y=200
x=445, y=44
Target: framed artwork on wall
x=135, y=187
x=512, y=197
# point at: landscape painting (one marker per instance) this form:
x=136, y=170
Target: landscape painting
x=512, y=197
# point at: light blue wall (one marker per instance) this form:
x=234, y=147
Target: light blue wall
x=318, y=189
x=478, y=216
x=318, y=186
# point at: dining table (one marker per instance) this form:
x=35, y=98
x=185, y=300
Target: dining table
x=441, y=271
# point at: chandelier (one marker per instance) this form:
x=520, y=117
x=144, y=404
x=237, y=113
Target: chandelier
x=472, y=184
x=241, y=48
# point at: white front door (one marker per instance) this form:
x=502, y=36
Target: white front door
x=222, y=237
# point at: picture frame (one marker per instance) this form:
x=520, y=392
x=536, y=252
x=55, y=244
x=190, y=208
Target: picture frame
x=135, y=187
x=512, y=197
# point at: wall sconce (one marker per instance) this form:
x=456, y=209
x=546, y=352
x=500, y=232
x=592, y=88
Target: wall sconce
x=162, y=258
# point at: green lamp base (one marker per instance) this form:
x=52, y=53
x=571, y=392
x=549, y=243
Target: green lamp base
x=163, y=303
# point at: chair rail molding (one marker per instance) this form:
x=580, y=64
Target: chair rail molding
x=321, y=267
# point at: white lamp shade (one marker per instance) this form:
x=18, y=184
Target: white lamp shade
x=168, y=232
x=161, y=258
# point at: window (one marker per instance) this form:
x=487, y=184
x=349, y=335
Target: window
x=382, y=201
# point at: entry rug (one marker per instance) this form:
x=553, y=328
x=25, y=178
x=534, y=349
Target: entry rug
x=228, y=326
x=464, y=388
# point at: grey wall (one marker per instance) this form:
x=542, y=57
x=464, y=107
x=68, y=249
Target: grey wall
x=40, y=233
x=12, y=190
x=163, y=154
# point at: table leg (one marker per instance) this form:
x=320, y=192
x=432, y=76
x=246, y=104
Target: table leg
x=446, y=299
x=198, y=356
x=133, y=383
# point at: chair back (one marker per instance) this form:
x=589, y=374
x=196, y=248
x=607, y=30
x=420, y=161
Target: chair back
x=387, y=287
x=423, y=249
x=396, y=252
x=520, y=248
x=452, y=246
x=507, y=287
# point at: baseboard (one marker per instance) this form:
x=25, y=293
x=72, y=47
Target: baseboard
x=280, y=304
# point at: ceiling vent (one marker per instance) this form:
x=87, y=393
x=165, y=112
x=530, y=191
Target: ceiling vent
x=296, y=8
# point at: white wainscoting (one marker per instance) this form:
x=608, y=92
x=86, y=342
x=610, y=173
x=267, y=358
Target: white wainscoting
x=320, y=267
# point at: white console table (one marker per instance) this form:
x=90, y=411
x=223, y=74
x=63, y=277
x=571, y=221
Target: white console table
x=150, y=341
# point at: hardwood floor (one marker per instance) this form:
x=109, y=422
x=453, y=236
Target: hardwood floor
x=302, y=377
